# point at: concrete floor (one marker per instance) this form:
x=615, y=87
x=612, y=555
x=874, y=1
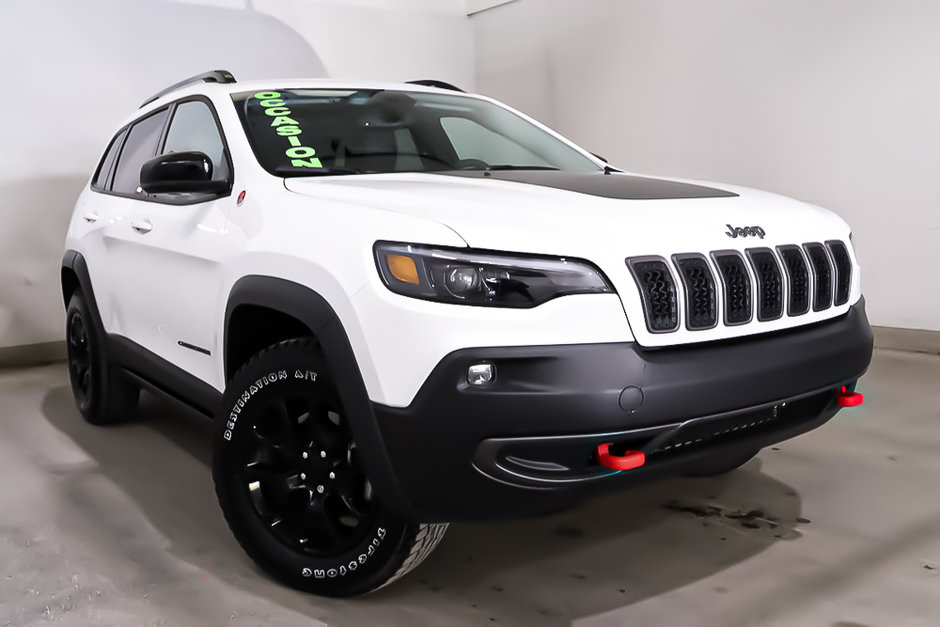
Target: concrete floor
x=119, y=526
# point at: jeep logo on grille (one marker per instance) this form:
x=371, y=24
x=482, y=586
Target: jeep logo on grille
x=744, y=231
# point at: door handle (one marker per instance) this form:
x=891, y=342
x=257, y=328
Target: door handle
x=142, y=226
x=91, y=217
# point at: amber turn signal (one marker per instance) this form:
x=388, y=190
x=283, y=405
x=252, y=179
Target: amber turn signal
x=403, y=268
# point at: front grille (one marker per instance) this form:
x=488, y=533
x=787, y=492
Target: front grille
x=658, y=292
x=822, y=275
x=843, y=264
x=792, y=278
x=769, y=283
x=737, y=284
x=701, y=310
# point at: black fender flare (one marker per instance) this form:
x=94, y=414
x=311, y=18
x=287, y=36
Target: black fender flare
x=309, y=307
x=74, y=262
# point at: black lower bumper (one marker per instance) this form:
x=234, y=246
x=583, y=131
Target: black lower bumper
x=524, y=443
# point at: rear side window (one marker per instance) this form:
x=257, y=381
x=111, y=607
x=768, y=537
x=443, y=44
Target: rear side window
x=140, y=146
x=103, y=174
x=194, y=128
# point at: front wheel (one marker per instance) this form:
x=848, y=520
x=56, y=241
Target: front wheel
x=292, y=485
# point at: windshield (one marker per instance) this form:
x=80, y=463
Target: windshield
x=312, y=132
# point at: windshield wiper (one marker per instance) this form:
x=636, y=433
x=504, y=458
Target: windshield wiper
x=291, y=171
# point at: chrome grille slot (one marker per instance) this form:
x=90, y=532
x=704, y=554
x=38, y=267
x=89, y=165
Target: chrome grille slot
x=843, y=266
x=658, y=292
x=822, y=275
x=769, y=283
x=701, y=309
x=798, y=278
x=737, y=286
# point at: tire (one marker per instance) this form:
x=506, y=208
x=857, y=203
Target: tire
x=715, y=466
x=292, y=487
x=101, y=394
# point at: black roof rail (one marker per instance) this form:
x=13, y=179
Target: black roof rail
x=215, y=76
x=430, y=82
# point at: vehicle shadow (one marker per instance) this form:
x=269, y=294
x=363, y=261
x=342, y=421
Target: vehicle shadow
x=608, y=553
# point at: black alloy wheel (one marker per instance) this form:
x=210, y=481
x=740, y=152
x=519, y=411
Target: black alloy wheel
x=305, y=479
x=293, y=486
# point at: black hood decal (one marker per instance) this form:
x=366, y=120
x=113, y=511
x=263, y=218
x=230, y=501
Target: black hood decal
x=620, y=186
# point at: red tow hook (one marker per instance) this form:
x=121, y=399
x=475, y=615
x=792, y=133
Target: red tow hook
x=849, y=399
x=628, y=461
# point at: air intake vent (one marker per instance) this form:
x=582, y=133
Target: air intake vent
x=843, y=264
x=658, y=292
x=769, y=283
x=798, y=277
x=737, y=286
x=701, y=311
x=822, y=275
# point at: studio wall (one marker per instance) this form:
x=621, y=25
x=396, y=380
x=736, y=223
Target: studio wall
x=834, y=102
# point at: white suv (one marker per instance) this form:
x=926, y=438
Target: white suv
x=406, y=305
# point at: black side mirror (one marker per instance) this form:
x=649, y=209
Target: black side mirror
x=180, y=172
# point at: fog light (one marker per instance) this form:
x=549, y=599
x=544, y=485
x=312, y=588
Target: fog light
x=480, y=374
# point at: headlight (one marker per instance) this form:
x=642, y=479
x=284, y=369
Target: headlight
x=468, y=277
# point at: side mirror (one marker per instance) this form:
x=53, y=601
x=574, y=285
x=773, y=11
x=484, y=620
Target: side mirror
x=180, y=172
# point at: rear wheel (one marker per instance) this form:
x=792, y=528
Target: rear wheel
x=101, y=394
x=292, y=485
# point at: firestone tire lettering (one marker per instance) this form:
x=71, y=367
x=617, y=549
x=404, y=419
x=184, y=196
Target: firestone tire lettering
x=343, y=570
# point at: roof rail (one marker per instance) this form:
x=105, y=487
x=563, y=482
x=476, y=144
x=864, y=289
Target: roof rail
x=215, y=76
x=430, y=82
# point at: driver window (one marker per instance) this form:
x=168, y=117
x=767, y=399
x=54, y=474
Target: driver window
x=194, y=128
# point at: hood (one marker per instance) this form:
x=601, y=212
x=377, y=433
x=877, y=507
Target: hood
x=584, y=215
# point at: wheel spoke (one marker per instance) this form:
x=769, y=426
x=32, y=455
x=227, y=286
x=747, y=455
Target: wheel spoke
x=331, y=439
x=275, y=433
x=280, y=421
x=259, y=472
x=270, y=452
x=322, y=525
x=344, y=487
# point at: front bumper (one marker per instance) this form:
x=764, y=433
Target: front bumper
x=524, y=443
